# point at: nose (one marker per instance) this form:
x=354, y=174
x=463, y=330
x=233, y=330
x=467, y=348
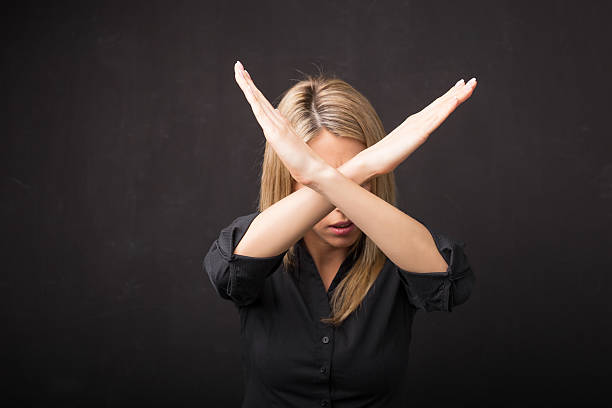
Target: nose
x=340, y=212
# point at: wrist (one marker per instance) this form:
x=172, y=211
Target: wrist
x=323, y=176
x=354, y=169
x=357, y=169
x=365, y=171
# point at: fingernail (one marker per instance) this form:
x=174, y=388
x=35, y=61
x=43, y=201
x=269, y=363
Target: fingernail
x=240, y=64
x=471, y=81
x=459, y=82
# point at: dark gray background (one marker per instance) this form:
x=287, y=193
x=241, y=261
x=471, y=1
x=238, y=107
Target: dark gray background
x=127, y=146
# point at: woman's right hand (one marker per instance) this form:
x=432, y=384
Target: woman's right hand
x=384, y=156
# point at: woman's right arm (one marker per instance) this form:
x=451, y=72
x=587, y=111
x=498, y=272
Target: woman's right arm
x=239, y=275
x=282, y=224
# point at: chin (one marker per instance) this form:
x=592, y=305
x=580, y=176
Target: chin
x=343, y=241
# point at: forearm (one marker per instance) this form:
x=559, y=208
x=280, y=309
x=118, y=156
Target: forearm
x=403, y=239
x=282, y=224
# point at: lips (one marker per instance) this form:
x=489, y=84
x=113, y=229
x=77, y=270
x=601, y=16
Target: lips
x=341, y=224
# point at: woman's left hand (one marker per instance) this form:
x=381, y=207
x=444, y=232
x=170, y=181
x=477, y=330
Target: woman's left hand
x=301, y=161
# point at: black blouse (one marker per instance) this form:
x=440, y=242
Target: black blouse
x=291, y=359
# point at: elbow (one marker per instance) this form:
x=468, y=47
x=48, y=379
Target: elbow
x=217, y=271
x=463, y=287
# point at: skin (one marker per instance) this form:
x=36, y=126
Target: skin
x=403, y=239
x=328, y=249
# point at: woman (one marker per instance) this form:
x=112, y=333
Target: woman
x=328, y=274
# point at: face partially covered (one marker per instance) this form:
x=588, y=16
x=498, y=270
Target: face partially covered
x=335, y=151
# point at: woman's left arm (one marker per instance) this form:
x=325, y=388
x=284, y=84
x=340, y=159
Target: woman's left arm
x=403, y=239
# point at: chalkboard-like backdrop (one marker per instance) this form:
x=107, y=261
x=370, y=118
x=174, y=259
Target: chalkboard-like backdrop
x=127, y=145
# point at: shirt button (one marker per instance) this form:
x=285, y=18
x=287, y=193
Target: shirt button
x=324, y=403
x=323, y=370
x=325, y=339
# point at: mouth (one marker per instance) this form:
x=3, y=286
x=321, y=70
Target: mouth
x=342, y=224
x=342, y=228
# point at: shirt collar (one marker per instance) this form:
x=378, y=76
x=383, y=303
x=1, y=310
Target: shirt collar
x=305, y=259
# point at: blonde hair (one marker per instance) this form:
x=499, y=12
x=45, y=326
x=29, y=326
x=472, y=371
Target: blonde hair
x=328, y=102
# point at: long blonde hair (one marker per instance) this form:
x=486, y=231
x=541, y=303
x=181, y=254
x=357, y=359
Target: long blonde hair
x=328, y=102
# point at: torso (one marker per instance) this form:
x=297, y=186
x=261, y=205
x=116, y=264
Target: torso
x=295, y=360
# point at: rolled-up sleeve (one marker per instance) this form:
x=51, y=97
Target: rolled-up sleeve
x=441, y=291
x=238, y=278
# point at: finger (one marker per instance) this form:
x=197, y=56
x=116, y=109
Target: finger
x=467, y=90
x=258, y=110
x=461, y=91
x=452, y=91
x=446, y=108
x=437, y=112
x=432, y=119
x=445, y=97
x=242, y=83
x=274, y=114
x=263, y=101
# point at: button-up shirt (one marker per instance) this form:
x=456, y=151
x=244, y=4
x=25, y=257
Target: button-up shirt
x=291, y=359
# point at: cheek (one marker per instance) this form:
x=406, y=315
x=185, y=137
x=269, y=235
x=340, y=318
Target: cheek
x=322, y=224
